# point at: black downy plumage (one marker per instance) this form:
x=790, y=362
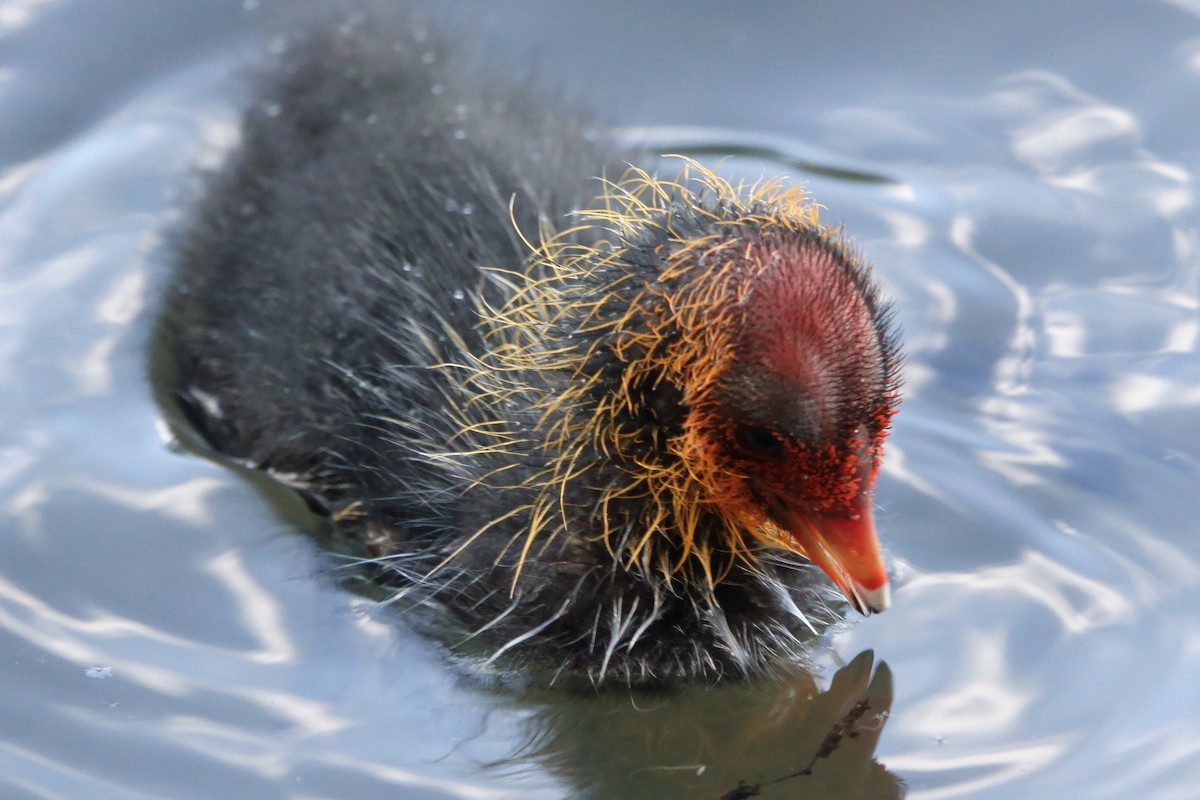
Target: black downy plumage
x=600, y=423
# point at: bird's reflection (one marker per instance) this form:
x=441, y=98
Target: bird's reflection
x=776, y=739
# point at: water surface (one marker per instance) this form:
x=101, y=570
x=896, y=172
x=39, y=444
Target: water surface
x=1022, y=175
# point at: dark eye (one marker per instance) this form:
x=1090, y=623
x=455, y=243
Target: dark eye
x=757, y=441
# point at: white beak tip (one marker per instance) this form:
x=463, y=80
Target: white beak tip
x=871, y=601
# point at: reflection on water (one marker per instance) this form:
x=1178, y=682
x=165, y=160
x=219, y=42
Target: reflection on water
x=1032, y=209
x=703, y=144
x=783, y=739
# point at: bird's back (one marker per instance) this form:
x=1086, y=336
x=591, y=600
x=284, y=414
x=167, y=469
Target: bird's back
x=336, y=254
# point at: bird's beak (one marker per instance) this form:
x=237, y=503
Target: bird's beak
x=846, y=547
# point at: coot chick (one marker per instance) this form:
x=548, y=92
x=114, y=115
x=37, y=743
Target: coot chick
x=608, y=426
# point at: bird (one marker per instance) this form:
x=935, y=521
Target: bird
x=612, y=423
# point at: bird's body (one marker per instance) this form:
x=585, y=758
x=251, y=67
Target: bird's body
x=597, y=422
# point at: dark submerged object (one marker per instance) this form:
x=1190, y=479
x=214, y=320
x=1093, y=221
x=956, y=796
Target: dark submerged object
x=606, y=451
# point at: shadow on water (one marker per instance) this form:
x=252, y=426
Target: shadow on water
x=728, y=742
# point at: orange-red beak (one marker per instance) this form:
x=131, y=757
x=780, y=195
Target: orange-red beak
x=847, y=548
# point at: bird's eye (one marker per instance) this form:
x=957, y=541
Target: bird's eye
x=757, y=441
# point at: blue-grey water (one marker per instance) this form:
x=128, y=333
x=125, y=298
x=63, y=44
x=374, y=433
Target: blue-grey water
x=1022, y=174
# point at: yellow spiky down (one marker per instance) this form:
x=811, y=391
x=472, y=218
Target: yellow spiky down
x=676, y=326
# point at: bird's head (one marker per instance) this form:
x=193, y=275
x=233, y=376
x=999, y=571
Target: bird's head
x=731, y=356
x=786, y=428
